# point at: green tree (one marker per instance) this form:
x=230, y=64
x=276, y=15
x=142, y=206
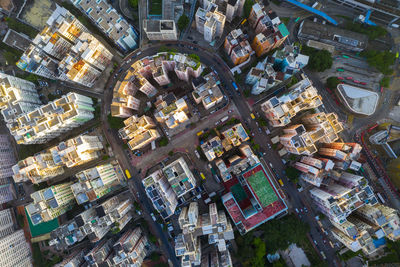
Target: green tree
x=258, y=259
x=382, y=61
x=319, y=60
x=246, y=93
x=292, y=173
x=332, y=82
x=292, y=82
x=373, y=32
x=134, y=4
x=248, y=4
x=385, y=82
x=183, y=22
x=194, y=56
x=163, y=141
x=115, y=122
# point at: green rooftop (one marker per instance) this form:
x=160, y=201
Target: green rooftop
x=284, y=31
x=41, y=228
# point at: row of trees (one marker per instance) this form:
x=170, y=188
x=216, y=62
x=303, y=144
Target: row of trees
x=381, y=60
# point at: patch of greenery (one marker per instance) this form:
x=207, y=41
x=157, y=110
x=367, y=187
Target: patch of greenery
x=194, y=57
x=275, y=235
x=285, y=20
x=163, y=141
x=171, y=153
x=167, y=49
x=381, y=60
x=373, y=32
x=10, y=54
x=348, y=255
x=115, y=122
x=319, y=60
x=262, y=122
x=52, y=97
x=206, y=71
x=155, y=7
x=18, y=26
x=248, y=4
x=293, y=174
x=385, y=82
x=25, y=151
x=332, y=82
x=20, y=220
x=183, y=22
x=134, y=4
x=40, y=261
x=246, y=93
x=292, y=82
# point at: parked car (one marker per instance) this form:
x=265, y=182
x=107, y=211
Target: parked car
x=153, y=217
x=197, y=154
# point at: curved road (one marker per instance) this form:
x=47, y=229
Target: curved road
x=210, y=60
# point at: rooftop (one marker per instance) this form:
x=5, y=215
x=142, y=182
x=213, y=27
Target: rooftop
x=358, y=100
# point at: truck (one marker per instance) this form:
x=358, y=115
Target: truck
x=224, y=119
x=235, y=86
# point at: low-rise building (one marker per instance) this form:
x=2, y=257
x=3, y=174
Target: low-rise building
x=340, y=38
x=164, y=187
x=282, y=65
x=171, y=111
x=300, y=139
x=206, y=90
x=97, y=182
x=251, y=198
x=110, y=22
x=94, y=223
x=160, y=30
x=17, y=40
x=210, y=22
x=139, y=131
x=52, y=120
x=301, y=96
x=66, y=50
x=213, y=224
x=237, y=46
x=50, y=163
x=49, y=203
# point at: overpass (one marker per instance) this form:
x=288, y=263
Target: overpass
x=313, y=11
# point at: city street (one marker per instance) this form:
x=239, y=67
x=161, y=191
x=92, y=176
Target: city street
x=211, y=60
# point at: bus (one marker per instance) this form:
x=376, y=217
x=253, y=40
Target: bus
x=345, y=56
x=380, y=197
x=340, y=70
x=128, y=174
x=280, y=182
x=235, y=86
x=296, y=20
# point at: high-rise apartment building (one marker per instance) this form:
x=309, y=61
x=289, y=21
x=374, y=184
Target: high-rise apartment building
x=51, y=162
x=367, y=228
x=280, y=110
x=270, y=31
x=139, y=131
x=314, y=170
x=99, y=253
x=6, y=222
x=171, y=111
x=17, y=96
x=49, y=203
x=7, y=157
x=213, y=224
x=97, y=182
x=66, y=50
x=15, y=250
x=130, y=249
x=210, y=22
x=237, y=46
x=163, y=187
x=110, y=22
x=53, y=119
x=160, y=29
x=343, y=196
x=300, y=139
x=94, y=223
x=282, y=65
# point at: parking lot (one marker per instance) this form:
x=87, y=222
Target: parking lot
x=354, y=71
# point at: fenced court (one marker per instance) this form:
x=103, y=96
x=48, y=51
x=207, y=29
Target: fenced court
x=261, y=186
